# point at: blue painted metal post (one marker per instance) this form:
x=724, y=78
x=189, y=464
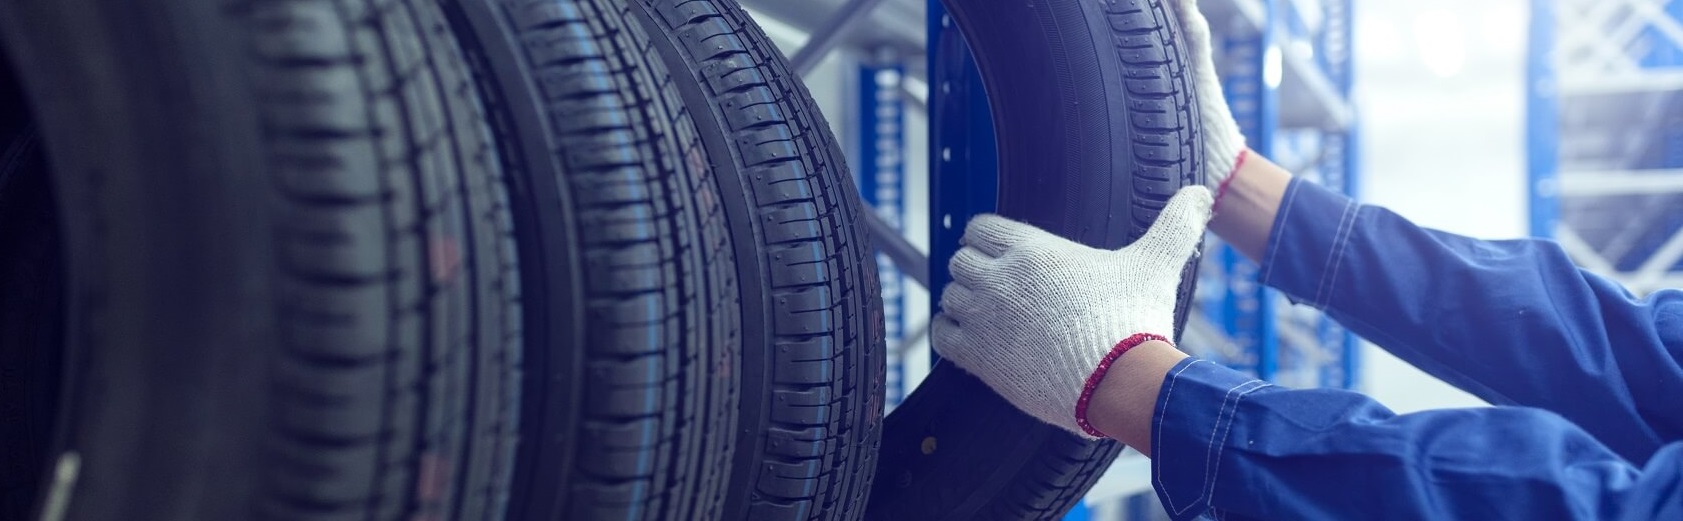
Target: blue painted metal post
x=1268, y=122
x=964, y=159
x=1136, y=507
x=1254, y=53
x=882, y=180
x=1542, y=112
x=1352, y=164
x=1242, y=308
x=1078, y=513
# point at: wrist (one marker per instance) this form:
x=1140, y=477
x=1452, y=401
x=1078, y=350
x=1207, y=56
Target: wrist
x=1226, y=180
x=1125, y=398
x=1248, y=204
x=1097, y=376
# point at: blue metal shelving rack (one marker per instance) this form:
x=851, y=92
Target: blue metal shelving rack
x=1605, y=135
x=1288, y=72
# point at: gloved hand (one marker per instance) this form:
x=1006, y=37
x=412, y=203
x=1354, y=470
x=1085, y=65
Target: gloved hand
x=1224, y=145
x=1040, y=318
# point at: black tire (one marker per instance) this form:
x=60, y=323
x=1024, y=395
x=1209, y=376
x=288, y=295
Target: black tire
x=812, y=360
x=292, y=288
x=1096, y=130
x=31, y=309
x=631, y=297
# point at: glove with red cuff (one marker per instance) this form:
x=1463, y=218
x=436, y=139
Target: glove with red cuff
x=1040, y=319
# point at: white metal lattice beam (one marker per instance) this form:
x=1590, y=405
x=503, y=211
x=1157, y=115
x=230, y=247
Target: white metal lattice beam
x=1620, y=182
x=1652, y=276
x=1588, y=34
x=1581, y=252
x=1653, y=11
x=1598, y=47
x=1658, y=266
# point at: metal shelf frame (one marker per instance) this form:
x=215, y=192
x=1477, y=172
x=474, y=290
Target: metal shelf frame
x=1605, y=144
x=1288, y=72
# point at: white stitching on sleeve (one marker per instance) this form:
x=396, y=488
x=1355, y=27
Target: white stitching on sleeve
x=1341, y=246
x=1346, y=221
x=1158, y=434
x=1274, y=245
x=1223, y=417
x=1210, y=500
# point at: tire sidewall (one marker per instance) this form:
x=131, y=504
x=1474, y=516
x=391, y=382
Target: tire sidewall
x=153, y=136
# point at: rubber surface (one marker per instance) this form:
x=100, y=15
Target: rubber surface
x=812, y=359
x=631, y=297
x=1096, y=128
x=31, y=312
x=292, y=279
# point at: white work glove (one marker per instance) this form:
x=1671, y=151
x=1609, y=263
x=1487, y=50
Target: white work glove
x=1040, y=318
x=1224, y=145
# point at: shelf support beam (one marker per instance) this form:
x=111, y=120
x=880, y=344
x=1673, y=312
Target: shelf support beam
x=825, y=38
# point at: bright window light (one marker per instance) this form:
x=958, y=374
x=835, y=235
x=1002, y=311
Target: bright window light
x=1378, y=40
x=1441, y=39
x=1503, y=27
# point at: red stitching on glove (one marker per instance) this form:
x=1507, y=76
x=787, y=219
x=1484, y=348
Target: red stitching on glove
x=1222, y=190
x=1098, y=376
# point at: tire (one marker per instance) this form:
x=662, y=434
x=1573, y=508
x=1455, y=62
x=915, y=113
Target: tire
x=812, y=334
x=1066, y=81
x=291, y=283
x=31, y=311
x=630, y=280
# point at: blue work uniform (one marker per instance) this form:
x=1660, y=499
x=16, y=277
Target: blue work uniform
x=1586, y=378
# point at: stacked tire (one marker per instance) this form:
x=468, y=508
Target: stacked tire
x=488, y=260
x=288, y=287
x=698, y=287
x=417, y=259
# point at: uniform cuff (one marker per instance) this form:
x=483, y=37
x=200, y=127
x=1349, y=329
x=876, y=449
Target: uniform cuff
x=1306, y=248
x=1194, y=416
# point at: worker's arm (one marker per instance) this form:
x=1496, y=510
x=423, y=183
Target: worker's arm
x=1235, y=447
x=1514, y=322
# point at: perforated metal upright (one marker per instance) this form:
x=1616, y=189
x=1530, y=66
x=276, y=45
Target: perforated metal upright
x=964, y=159
x=1606, y=135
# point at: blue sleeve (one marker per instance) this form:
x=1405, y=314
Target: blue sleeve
x=1513, y=322
x=1236, y=448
